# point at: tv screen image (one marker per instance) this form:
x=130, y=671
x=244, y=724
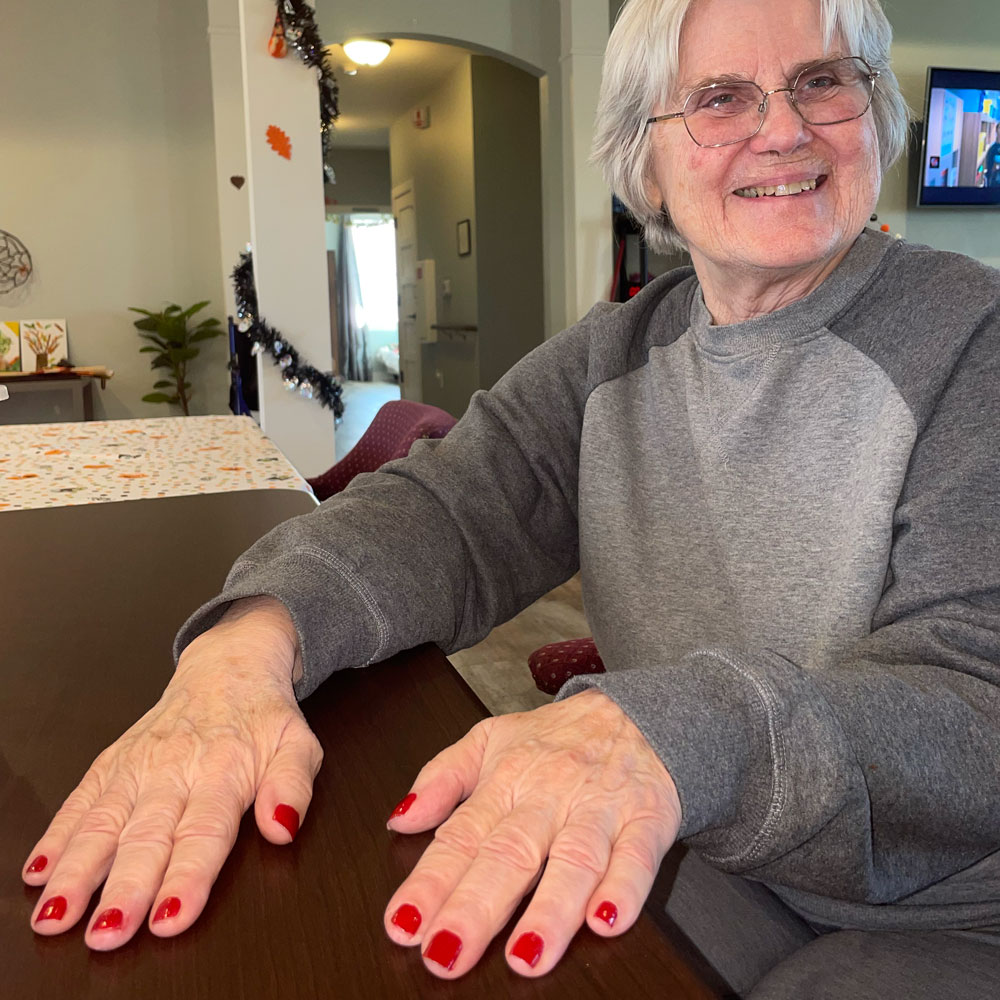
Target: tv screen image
x=960, y=157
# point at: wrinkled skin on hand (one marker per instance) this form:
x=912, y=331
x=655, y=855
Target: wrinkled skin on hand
x=158, y=812
x=570, y=796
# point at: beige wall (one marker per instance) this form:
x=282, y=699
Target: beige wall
x=109, y=178
x=363, y=179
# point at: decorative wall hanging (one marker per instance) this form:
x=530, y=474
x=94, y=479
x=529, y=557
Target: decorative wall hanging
x=278, y=140
x=298, y=376
x=237, y=181
x=276, y=43
x=15, y=262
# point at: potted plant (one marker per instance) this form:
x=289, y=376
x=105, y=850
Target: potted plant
x=172, y=348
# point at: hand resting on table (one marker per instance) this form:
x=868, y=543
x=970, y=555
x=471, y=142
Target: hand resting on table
x=569, y=797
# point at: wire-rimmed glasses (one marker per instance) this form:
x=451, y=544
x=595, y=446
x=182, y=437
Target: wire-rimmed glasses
x=826, y=93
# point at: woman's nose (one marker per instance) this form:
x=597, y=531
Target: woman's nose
x=783, y=129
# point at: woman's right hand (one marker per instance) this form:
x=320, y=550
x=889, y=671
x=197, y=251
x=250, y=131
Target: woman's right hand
x=158, y=812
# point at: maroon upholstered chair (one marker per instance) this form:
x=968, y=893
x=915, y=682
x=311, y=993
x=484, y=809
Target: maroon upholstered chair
x=552, y=665
x=396, y=426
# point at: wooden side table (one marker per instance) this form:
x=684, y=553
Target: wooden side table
x=80, y=381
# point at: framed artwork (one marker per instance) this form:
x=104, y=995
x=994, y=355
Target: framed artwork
x=464, y=238
x=10, y=346
x=43, y=343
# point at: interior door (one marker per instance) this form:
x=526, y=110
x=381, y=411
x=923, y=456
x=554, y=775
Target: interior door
x=404, y=210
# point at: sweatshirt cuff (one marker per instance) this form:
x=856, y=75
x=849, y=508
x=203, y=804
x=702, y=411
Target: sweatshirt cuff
x=728, y=739
x=344, y=624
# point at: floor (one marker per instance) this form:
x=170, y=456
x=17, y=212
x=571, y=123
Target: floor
x=496, y=668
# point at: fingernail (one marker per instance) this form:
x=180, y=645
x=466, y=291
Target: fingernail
x=444, y=948
x=407, y=918
x=404, y=805
x=110, y=920
x=528, y=948
x=607, y=912
x=170, y=907
x=38, y=865
x=287, y=817
x=54, y=909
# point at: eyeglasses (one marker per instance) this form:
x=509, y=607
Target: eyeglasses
x=826, y=93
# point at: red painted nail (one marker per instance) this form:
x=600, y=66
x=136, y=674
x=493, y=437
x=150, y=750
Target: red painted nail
x=287, y=817
x=38, y=865
x=404, y=805
x=54, y=909
x=607, y=912
x=444, y=948
x=110, y=920
x=169, y=908
x=528, y=948
x=407, y=918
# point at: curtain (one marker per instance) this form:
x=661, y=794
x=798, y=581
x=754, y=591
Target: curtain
x=352, y=330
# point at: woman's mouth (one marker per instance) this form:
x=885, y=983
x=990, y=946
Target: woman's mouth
x=781, y=190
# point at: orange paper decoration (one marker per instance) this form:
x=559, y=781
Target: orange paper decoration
x=276, y=43
x=278, y=140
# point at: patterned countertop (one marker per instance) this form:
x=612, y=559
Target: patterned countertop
x=97, y=461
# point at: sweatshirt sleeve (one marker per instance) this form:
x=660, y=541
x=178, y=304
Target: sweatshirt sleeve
x=874, y=777
x=443, y=545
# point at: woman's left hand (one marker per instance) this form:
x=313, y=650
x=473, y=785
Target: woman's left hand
x=573, y=788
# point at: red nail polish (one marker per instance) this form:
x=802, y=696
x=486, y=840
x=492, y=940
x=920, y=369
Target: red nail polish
x=38, y=865
x=407, y=918
x=607, y=912
x=528, y=947
x=110, y=920
x=54, y=909
x=444, y=948
x=169, y=908
x=287, y=817
x=404, y=805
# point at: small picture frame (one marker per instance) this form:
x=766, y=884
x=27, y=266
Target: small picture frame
x=464, y=238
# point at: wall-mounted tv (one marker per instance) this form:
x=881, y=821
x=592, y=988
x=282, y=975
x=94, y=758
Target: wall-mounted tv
x=960, y=153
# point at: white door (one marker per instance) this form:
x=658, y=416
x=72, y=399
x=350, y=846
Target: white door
x=404, y=210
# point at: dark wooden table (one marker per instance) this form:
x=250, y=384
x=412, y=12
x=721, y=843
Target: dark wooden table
x=92, y=596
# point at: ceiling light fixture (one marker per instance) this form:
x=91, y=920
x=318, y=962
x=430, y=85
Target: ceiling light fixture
x=367, y=51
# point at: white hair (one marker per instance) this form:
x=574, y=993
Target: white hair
x=640, y=71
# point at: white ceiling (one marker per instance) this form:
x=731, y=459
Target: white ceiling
x=374, y=98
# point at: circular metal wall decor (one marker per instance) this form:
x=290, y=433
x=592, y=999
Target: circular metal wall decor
x=15, y=262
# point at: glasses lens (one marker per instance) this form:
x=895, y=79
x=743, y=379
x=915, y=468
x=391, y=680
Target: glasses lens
x=834, y=91
x=723, y=113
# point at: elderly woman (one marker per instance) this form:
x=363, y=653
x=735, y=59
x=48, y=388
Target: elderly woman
x=778, y=474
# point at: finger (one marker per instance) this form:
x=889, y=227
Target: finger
x=286, y=788
x=203, y=839
x=144, y=850
x=442, y=783
x=85, y=861
x=49, y=849
x=444, y=863
x=505, y=867
x=635, y=859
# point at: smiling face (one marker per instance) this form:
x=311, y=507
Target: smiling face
x=710, y=194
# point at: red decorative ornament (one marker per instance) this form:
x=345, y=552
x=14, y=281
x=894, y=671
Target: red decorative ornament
x=278, y=140
x=276, y=43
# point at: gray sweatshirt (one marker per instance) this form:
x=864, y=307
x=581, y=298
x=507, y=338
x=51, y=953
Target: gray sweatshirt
x=788, y=531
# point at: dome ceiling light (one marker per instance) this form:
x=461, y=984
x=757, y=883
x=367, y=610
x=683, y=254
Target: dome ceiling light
x=367, y=51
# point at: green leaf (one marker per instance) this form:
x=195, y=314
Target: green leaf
x=178, y=354
x=171, y=309
x=158, y=397
x=191, y=310
x=147, y=324
x=211, y=321
x=163, y=384
x=149, y=350
x=204, y=335
x=145, y=312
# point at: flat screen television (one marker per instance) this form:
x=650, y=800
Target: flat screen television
x=960, y=152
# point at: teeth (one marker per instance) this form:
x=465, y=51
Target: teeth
x=779, y=190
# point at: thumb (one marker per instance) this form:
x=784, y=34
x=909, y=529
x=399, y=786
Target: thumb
x=286, y=787
x=443, y=782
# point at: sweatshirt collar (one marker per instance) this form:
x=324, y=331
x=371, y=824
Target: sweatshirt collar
x=801, y=318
